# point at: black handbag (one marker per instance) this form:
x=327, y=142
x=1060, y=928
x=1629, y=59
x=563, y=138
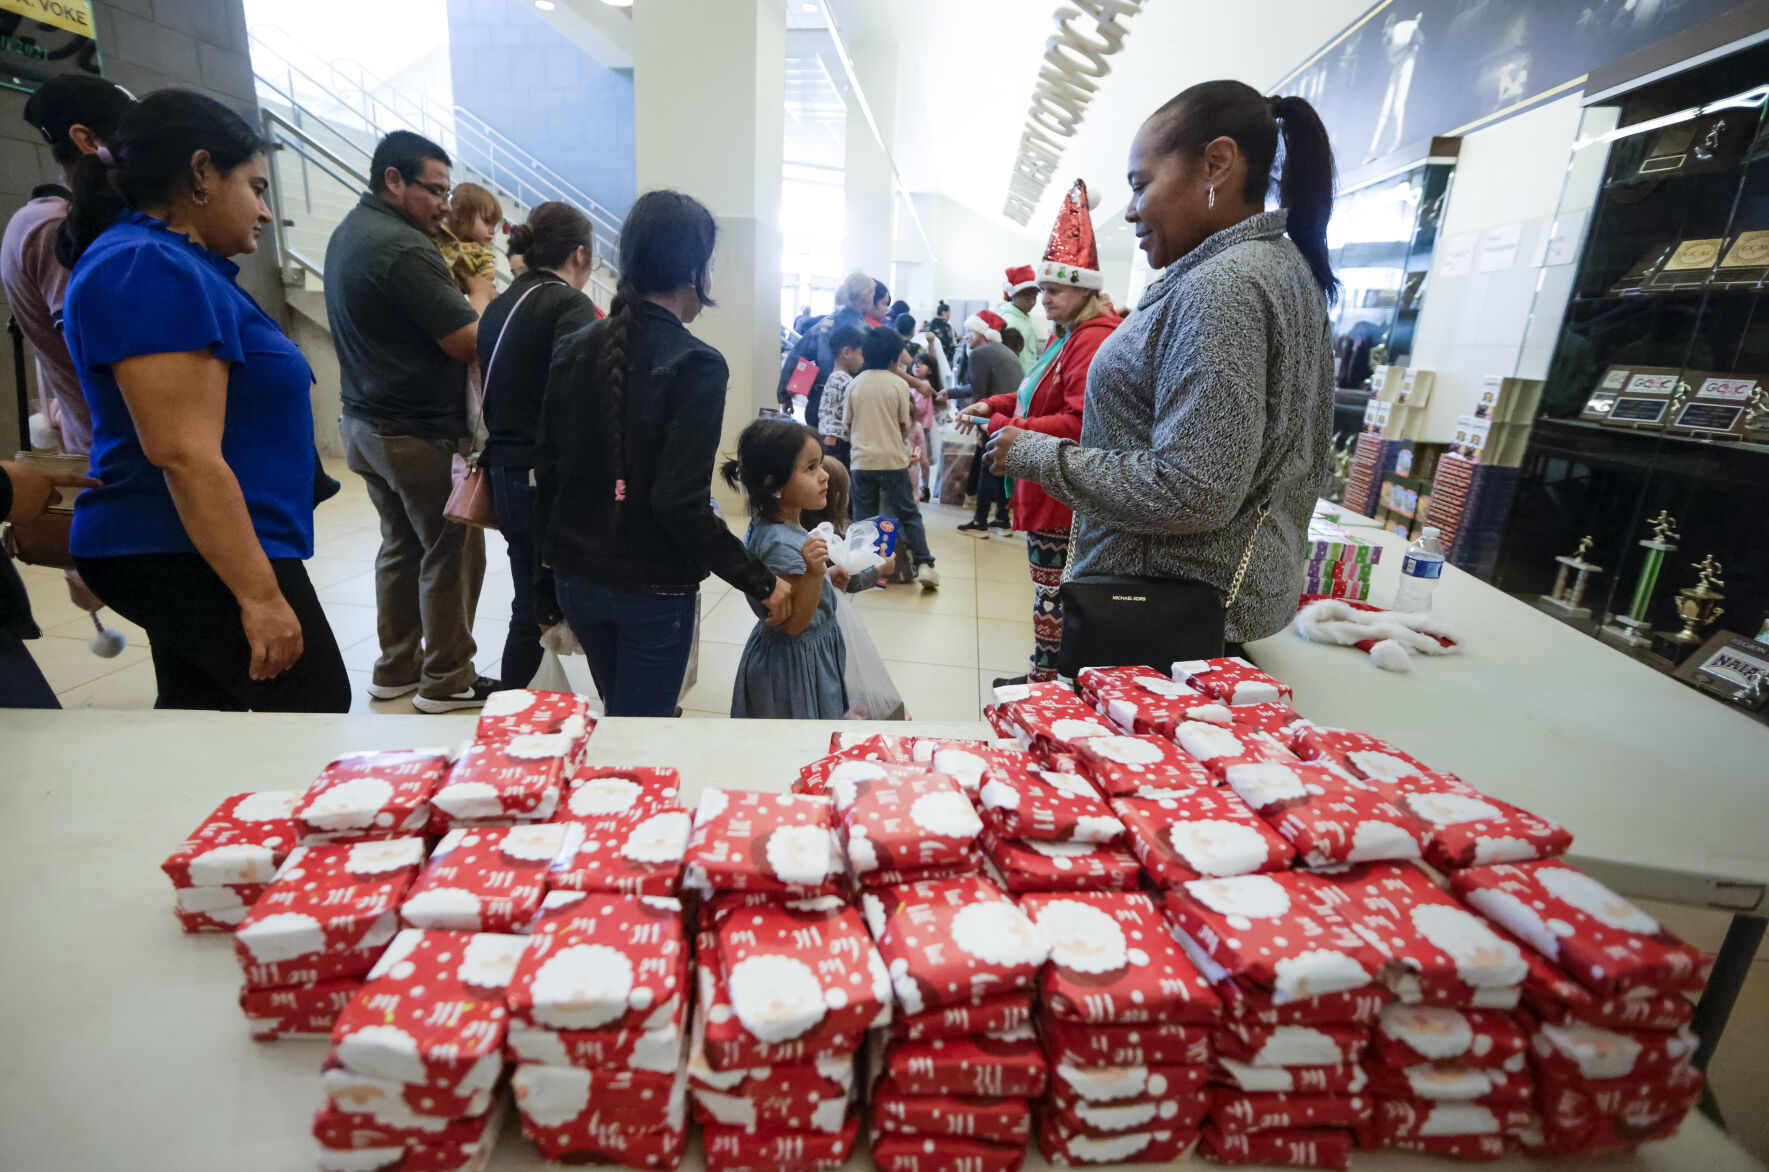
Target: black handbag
x=1117, y=620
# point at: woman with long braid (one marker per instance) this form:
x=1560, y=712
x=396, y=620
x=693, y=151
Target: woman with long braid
x=623, y=470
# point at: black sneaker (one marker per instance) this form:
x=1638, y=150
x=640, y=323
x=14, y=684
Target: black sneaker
x=473, y=697
x=1009, y=681
x=1001, y=524
x=976, y=527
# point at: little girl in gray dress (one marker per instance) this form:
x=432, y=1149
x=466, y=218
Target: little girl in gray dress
x=793, y=671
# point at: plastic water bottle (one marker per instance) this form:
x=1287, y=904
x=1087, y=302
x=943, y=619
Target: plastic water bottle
x=1419, y=572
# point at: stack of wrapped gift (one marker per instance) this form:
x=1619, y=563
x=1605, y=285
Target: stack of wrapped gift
x=519, y=712
x=1447, y=1067
x=514, y=769
x=632, y=831
x=1050, y=830
x=1124, y=1018
x=417, y=1056
x=488, y=878
x=598, y=1004
x=1295, y=983
x=1327, y=817
x=1608, y=1075
x=1043, y=716
x=1231, y=680
x=360, y=797
x=219, y=871
x=953, y=1079
x=847, y=749
x=788, y=981
x=318, y=928
x=1204, y=832
x=1142, y=700
x=904, y=823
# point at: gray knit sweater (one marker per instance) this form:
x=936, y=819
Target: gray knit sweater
x=1214, y=397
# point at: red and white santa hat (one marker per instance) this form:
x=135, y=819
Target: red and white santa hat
x=1071, y=258
x=987, y=323
x=1019, y=279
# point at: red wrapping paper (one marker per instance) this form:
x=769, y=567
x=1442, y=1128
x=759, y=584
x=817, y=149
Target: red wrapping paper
x=953, y=942
x=1358, y=753
x=432, y=1012
x=1232, y=680
x=297, y=1011
x=998, y=1015
x=790, y=972
x=1348, y=1079
x=486, y=879
x=1557, y=998
x=920, y=1153
x=1243, y=1113
x=600, y=1116
x=216, y=909
x=1276, y=719
x=1605, y=1135
x=1071, y=1086
x=1327, y=818
x=634, y=851
x=243, y=840
x=1404, y=1119
x=729, y=1046
x=1031, y=864
x=518, y=711
x=1349, y=1007
x=1043, y=804
x=363, y=796
x=516, y=780
x=1057, y=728
x=1123, y=765
x=1573, y=1111
x=1460, y=1084
x=1140, y=700
x=1101, y=1120
x=1072, y=1043
x=735, y=1149
x=1113, y=961
x=745, y=840
x=464, y=1154
x=1287, y=1149
x=968, y=764
x=1265, y=931
x=1469, y=829
x=1290, y=1045
x=991, y=1120
x=1410, y=1035
x=1218, y=749
x=1474, y=1149
x=1197, y=834
x=328, y=914
x=348, y=1130
x=814, y=778
x=991, y=1067
x=901, y=818
x=607, y=962
x=1155, y=1146
x=768, y=1111
x=805, y=1084
x=1592, y=1053
x=596, y=790
x=1610, y=945
x=420, y=1109
x=971, y=864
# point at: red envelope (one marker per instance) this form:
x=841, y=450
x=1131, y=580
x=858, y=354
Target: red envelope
x=486, y=879
x=216, y=909
x=1113, y=961
x=1218, y=748
x=328, y=914
x=1124, y=765
x=605, y=962
x=516, y=780
x=1032, y=864
x=1075, y=1085
x=998, y=1015
x=1610, y=945
x=1406, y=1119
x=634, y=851
x=1155, y=1146
x=953, y=942
x=991, y=1067
x=1298, y=1148
x=967, y=764
x=379, y=794
x=1232, y=680
x=744, y=840
x=243, y=840
x=432, y=1013
x=1347, y=1079
x=1072, y=1043
x=737, y=1149
x=1591, y=1053
x=919, y=1153
x=902, y=817
x=1244, y=1113
x=1046, y=805
x=420, y=1109
x=991, y=1120
x=1410, y=1035
x=1267, y=933
x=1290, y=1045
x=1202, y=833
x=518, y=711
x=297, y=1011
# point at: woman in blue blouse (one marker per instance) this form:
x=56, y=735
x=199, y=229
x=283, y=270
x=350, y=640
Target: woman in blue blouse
x=202, y=427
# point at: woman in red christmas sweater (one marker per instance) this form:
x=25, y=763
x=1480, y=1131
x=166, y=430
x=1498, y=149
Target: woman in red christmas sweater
x=1049, y=401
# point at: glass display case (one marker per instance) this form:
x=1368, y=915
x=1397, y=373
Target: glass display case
x=1654, y=404
x=1380, y=241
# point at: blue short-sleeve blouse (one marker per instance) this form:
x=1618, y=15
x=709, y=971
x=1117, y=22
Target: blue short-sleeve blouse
x=144, y=289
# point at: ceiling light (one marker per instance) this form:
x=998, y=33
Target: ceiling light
x=618, y=3
x=809, y=7
x=544, y=5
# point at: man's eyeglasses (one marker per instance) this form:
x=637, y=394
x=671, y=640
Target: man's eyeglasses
x=439, y=190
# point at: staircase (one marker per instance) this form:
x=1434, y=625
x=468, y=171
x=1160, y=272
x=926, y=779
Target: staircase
x=324, y=119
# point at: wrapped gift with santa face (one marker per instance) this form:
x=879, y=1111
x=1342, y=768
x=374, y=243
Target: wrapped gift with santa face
x=487, y=879
x=1326, y=816
x=598, y=1116
x=222, y=867
x=364, y=796
x=518, y=779
x=1034, y=864
x=517, y=712
x=1047, y=805
x=1217, y=748
x=782, y=845
x=1141, y=700
x=1127, y=764
x=903, y=819
x=1182, y=835
x=1231, y=680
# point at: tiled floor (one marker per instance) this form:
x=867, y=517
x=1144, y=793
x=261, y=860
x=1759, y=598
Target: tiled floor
x=943, y=648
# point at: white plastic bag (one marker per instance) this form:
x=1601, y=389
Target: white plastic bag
x=556, y=640
x=855, y=552
x=871, y=694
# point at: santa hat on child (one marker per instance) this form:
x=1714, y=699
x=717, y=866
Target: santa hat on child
x=1071, y=257
x=1019, y=279
x=987, y=323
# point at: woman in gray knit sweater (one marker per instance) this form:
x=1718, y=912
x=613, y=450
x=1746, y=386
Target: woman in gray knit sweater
x=1209, y=412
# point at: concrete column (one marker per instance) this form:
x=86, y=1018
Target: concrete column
x=709, y=80
x=866, y=235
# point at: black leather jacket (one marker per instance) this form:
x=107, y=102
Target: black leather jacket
x=664, y=536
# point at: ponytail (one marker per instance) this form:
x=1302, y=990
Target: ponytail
x=1305, y=184
x=611, y=375
x=767, y=452
x=95, y=206
x=1235, y=110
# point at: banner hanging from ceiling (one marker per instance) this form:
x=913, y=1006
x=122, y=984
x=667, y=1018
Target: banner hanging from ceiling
x=41, y=39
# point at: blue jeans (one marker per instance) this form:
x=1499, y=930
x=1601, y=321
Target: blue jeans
x=888, y=493
x=637, y=644
x=512, y=498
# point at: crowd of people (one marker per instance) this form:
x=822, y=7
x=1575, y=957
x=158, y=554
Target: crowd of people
x=1185, y=440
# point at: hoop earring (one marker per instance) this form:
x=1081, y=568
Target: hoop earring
x=200, y=197
x=1212, y=197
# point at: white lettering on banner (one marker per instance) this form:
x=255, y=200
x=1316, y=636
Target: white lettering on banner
x=1073, y=60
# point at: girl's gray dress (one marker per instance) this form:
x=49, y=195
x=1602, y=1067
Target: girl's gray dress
x=797, y=677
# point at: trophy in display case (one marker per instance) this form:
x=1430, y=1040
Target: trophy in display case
x=1632, y=629
x=1698, y=606
x=1568, y=594
x=1756, y=417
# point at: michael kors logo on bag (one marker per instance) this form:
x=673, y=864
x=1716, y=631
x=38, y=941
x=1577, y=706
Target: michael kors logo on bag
x=1130, y=598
